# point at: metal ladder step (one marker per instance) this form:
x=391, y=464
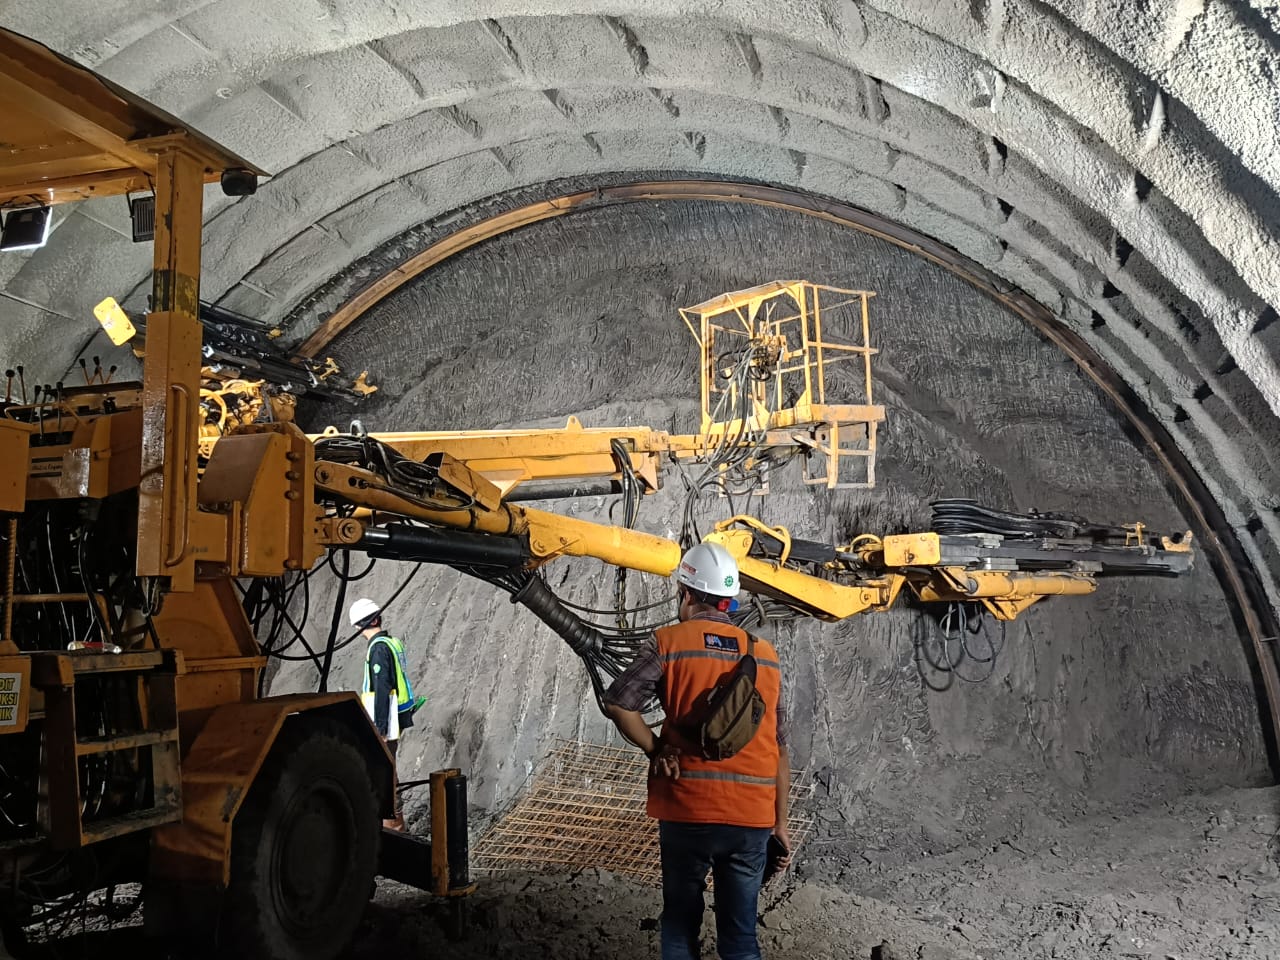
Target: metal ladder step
x=96, y=830
x=129, y=741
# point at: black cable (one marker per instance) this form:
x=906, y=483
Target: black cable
x=412, y=479
x=298, y=635
x=597, y=611
x=355, y=636
x=349, y=577
x=281, y=598
x=960, y=618
x=605, y=655
x=105, y=634
x=724, y=468
x=338, y=604
x=975, y=627
x=959, y=516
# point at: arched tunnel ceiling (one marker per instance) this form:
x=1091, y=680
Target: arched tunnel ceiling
x=1116, y=161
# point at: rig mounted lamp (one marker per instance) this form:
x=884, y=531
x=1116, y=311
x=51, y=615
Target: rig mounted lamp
x=26, y=228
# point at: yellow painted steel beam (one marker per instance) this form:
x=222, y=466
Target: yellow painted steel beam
x=572, y=439
x=71, y=134
x=1004, y=594
x=513, y=446
x=171, y=378
x=70, y=99
x=750, y=298
x=548, y=535
x=551, y=535
x=510, y=457
x=820, y=598
x=802, y=416
x=71, y=189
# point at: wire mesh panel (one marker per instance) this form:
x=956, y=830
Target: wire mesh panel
x=585, y=807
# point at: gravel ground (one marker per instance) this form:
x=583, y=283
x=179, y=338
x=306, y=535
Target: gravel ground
x=1194, y=877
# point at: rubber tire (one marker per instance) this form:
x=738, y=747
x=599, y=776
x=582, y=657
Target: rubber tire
x=304, y=848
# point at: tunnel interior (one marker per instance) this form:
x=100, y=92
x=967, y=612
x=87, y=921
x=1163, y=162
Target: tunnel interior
x=1109, y=167
x=574, y=317
x=1109, y=700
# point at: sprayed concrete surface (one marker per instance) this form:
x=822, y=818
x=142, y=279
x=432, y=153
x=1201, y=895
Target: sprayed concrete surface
x=1110, y=702
x=1115, y=160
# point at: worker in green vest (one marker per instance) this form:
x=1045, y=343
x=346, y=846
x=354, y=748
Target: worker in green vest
x=386, y=685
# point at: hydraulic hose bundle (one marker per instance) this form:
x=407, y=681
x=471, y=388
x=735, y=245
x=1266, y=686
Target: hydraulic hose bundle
x=958, y=517
x=606, y=653
x=411, y=478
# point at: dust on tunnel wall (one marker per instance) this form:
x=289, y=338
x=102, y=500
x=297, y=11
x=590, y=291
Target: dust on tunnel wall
x=578, y=316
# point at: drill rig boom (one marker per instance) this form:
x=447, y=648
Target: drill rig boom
x=471, y=525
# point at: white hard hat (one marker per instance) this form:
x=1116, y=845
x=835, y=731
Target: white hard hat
x=362, y=610
x=709, y=569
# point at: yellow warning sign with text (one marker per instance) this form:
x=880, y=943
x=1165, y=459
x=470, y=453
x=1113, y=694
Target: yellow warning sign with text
x=15, y=674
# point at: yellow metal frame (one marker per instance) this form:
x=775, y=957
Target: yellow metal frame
x=782, y=322
x=508, y=458
x=71, y=135
x=907, y=561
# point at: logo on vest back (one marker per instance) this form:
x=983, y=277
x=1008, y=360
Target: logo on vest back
x=714, y=641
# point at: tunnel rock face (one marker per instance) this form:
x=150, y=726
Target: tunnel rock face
x=576, y=317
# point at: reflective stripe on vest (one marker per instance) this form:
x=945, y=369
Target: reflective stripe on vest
x=732, y=777
x=738, y=791
x=404, y=690
x=717, y=655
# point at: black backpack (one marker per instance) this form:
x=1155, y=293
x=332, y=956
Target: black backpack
x=724, y=719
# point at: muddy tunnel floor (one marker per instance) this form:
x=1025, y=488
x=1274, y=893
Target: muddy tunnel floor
x=1194, y=877
x=1188, y=878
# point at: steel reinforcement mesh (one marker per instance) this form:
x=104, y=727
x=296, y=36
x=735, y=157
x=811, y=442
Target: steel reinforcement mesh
x=584, y=807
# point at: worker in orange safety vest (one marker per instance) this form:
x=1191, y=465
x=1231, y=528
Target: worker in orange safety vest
x=715, y=815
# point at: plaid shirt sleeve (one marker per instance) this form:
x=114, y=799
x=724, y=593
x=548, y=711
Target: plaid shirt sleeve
x=639, y=682
x=782, y=720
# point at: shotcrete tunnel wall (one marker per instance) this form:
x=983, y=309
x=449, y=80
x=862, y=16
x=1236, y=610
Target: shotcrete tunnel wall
x=1144, y=681
x=1114, y=160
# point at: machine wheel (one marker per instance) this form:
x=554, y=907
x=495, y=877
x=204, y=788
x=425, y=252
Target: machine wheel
x=304, y=848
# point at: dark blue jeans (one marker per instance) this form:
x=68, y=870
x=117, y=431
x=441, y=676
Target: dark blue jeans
x=735, y=856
